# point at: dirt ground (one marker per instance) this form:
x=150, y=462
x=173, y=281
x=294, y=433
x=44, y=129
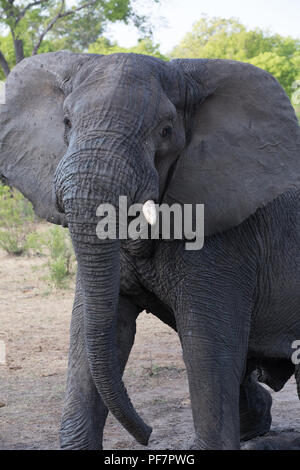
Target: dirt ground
x=34, y=324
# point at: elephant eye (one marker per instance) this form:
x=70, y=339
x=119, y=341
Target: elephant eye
x=67, y=123
x=167, y=131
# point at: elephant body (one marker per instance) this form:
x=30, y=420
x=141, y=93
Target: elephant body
x=79, y=131
x=243, y=298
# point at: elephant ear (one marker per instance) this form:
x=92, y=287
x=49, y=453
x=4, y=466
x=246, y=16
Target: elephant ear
x=244, y=145
x=31, y=126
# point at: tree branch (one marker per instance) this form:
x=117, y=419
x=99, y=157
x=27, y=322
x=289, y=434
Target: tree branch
x=48, y=28
x=23, y=12
x=71, y=12
x=59, y=15
x=4, y=65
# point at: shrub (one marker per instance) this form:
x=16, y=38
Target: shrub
x=18, y=235
x=59, y=272
x=61, y=256
x=17, y=230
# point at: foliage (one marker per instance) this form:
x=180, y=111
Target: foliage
x=280, y=66
x=228, y=39
x=19, y=235
x=17, y=231
x=296, y=97
x=49, y=25
x=7, y=46
x=297, y=109
x=59, y=272
x=144, y=46
x=61, y=254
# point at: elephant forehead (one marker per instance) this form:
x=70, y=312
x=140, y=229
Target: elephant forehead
x=129, y=81
x=112, y=95
x=135, y=68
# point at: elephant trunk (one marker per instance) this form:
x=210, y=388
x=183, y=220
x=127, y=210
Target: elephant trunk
x=99, y=268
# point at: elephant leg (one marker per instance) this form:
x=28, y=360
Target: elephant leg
x=213, y=324
x=255, y=409
x=84, y=413
x=278, y=440
x=214, y=392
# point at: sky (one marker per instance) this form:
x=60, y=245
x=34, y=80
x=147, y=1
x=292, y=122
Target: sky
x=172, y=19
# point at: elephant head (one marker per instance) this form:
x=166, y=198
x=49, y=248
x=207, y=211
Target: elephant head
x=78, y=130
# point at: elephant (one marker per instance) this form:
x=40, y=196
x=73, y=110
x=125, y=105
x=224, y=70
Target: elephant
x=80, y=130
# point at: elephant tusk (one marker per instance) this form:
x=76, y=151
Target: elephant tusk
x=149, y=211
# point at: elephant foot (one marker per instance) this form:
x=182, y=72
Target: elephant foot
x=255, y=425
x=82, y=431
x=254, y=432
x=275, y=441
x=198, y=444
x=255, y=410
x=79, y=443
x=215, y=444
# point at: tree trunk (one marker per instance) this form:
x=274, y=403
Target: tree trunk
x=19, y=50
x=4, y=65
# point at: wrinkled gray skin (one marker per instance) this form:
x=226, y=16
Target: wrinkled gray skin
x=234, y=146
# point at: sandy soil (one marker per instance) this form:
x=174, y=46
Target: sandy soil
x=34, y=323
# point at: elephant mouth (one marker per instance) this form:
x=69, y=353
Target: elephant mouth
x=58, y=219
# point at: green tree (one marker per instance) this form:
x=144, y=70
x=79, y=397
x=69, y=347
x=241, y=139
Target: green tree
x=31, y=27
x=144, y=46
x=219, y=38
x=280, y=66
